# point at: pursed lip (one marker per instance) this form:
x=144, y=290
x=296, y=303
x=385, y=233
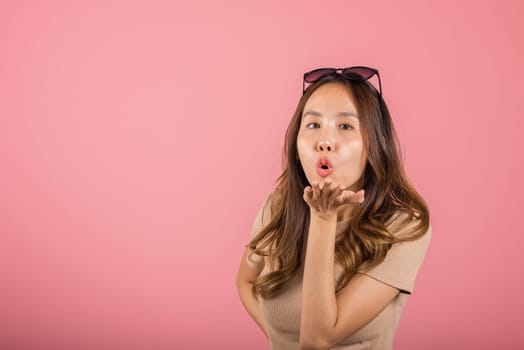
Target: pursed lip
x=324, y=161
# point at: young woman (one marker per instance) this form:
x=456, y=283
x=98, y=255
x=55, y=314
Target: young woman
x=335, y=249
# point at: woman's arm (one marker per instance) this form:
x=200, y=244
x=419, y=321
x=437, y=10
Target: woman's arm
x=246, y=275
x=319, y=304
x=326, y=317
x=249, y=272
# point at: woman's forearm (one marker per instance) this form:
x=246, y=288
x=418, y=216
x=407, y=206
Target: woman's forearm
x=251, y=304
x=319, y=305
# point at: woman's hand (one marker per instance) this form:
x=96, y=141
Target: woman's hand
x=325, y=197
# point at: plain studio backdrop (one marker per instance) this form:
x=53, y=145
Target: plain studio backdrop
x=139, y=138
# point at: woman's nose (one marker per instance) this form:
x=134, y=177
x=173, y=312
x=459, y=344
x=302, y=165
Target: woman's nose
x=324, y=146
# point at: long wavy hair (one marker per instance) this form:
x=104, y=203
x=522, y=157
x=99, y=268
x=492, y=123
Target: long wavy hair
x=367, y=239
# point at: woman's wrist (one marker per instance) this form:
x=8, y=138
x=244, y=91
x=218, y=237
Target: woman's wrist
x=322, y=224
x=325, y=216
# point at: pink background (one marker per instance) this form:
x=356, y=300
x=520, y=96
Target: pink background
x=138, y=140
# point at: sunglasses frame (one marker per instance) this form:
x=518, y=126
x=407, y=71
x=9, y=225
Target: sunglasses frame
x=343, y=73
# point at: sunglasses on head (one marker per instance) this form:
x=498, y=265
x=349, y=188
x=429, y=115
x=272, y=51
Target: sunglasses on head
x=359, y=73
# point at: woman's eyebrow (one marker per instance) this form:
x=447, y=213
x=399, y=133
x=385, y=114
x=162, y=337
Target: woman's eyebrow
x=318, y=114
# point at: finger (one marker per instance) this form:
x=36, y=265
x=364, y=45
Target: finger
x=328, y=186
x=336, y=190
x=341, y=198
x=308, y=192
x=361, y=196
x=348, y=197
x=322, y=194
x=326, y=191
x=316, y=191
x=357, y=197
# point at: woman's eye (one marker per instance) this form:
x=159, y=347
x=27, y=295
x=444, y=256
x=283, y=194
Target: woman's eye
x=348, y=126
x=308, y=126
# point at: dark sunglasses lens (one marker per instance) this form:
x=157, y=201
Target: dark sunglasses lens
x=359, y=73
x=315, y=75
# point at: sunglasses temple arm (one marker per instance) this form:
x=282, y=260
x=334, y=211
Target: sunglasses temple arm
x=379, y=84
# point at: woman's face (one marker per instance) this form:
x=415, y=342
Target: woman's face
x=330, y=129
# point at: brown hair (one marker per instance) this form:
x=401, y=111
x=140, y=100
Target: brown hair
x=388, y=192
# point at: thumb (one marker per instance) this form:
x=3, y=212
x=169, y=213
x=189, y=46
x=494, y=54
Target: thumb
x=360, y=196
x=308, y=193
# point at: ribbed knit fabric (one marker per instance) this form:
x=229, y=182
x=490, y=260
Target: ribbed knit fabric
x=281, y=314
